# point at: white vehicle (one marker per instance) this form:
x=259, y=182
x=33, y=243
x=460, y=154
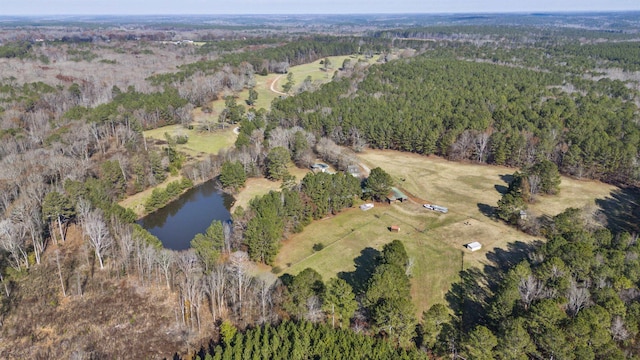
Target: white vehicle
x=365, y=207
x=441, y=209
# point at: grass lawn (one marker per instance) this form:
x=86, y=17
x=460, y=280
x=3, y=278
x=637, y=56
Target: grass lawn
x=200, y=142
x=435, y=241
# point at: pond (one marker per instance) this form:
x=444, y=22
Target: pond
x=179, y=221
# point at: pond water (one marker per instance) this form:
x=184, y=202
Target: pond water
x=179, y=221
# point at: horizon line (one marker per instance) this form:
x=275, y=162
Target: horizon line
x=524, y=12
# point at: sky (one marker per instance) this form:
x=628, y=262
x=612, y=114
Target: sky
x=216, y=7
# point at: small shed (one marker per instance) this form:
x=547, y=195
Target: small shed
x=353, y=170
x=394, y=228
x=523, y=215
x=396, y=195
x=319, y=167
x=473, y=246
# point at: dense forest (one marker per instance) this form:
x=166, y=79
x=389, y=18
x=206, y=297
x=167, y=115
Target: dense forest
x=80, y=279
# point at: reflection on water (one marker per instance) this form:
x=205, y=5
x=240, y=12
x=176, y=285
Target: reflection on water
x=178, y=222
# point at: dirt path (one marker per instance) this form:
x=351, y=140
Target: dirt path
x=273, y=83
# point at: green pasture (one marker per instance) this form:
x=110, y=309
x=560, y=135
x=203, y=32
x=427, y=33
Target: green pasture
x=433, y=240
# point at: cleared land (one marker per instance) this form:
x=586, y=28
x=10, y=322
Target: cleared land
x=434, y=240
x=317, y=71
x=200, y=142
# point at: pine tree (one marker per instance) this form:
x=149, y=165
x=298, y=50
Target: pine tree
x=59, y=207
x=232, y=175
x=339, y=302
x=378, y=184
x=277, y=160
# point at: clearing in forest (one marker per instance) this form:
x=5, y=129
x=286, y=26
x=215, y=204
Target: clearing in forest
x=261, y=186
x=317, y=71
x=434, y=241
x=200, y=143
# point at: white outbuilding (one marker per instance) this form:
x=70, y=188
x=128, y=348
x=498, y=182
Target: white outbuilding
x=473, y=246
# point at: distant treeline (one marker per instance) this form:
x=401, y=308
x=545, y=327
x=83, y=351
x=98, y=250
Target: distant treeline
x=278, y=59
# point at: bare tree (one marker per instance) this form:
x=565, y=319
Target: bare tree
x=64, y=292
x=577, y=298
x=27, y=219
x=314, y=309
x=280, y=137
x=481, y=142
x=124, y=241
x=619, y=331
x=238, y=266
x=266, y=301
x=95, y=228
x=530, y=289
x=358, y=142
x=35, y=223
x=165, y=259
x=215, y=283
x=189, y=285
x=534, y=184
x=12, y=241
x=462, y=147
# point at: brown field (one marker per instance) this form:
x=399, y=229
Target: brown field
x=435, y=241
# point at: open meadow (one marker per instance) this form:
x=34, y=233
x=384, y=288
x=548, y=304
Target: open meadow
x=200, y=142
x=317, y=72
x=434, y=241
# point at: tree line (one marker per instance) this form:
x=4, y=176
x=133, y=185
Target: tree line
x=303, y=340
x=278, y=59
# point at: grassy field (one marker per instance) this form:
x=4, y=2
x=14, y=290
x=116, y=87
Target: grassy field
x=200, y=143
x=210, y=143
x=316, y=71
x=435, y=241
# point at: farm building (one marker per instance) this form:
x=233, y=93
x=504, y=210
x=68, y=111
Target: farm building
x=523, y=215
x=353, y=170
x=473, y=246
x=396, y=195
x=394, y=228
x=319, y=167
